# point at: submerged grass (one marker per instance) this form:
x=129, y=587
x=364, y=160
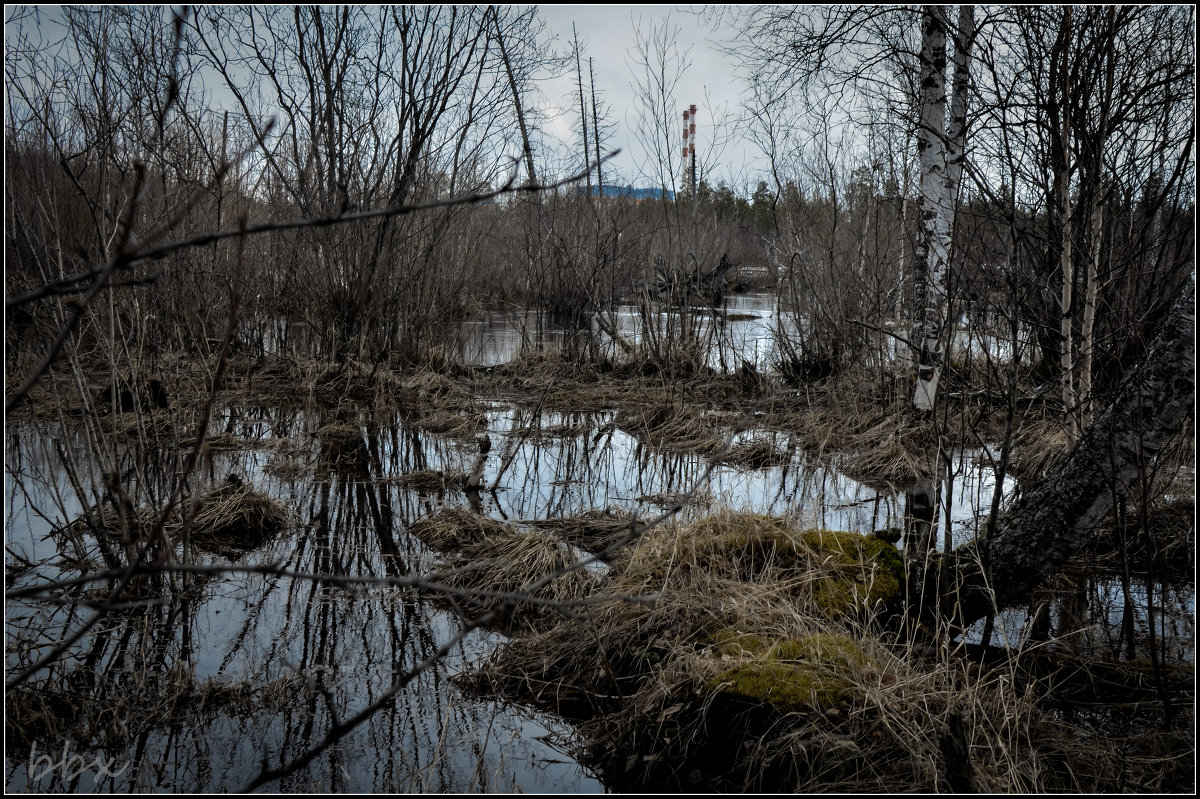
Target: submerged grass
x=99, y=712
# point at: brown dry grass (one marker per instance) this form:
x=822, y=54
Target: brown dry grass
x=890, y=454
x=455, y=528
x=756, y=454
x=229, y=520
x=108, y=714
x=593, y=531
x=500, y=572
x=1035, y=449
x=430, y=481
x=676, y=427
x=728, y=674
x=233, y=519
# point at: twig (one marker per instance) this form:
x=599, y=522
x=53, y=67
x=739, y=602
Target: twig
x=899, y=338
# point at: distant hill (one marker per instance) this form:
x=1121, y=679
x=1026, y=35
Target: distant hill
x=626, y=193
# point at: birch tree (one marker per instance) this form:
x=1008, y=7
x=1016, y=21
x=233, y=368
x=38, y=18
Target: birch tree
x=940, y=145
x=1061, y=66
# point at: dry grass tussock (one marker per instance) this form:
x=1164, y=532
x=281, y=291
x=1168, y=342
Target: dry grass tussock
x=101, y=712
x=455, y=528
x=319, y=381
x=891, y=453
x=490, y=573
x=430, y=481
x=230, y=520
x=1036, y=447
x=758, y=453
x=593, y=531
x=582, y=385
x=233, y=519
x=676, y=427
x=753, y=657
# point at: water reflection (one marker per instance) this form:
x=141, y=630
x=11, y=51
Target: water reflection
x=257, y=668
x=745, y=329
x=292, y=657
x=741, y=330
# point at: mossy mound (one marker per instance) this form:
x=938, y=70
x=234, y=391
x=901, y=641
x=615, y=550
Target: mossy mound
x=860, y=572
x=841, y=573
x=729, y=630
x=812, y=671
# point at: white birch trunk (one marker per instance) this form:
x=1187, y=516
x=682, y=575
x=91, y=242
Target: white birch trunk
x=935, y=202
x=956, y=127
x=1070, y=401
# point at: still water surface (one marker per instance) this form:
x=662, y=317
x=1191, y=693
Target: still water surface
x=316, y=654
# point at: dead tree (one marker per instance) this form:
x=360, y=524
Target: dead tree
x=1048, y=525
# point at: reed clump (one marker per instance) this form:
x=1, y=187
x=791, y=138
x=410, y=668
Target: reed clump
x=675, y=427
x=101, y=712
x=593, y=531
x=234, y=519
x=1035, y=449
x=229, y=520
x=756, y=454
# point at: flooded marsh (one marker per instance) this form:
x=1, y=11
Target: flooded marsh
x=199, y=677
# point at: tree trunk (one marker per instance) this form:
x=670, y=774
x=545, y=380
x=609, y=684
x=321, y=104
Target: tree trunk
x=587, y=165
x=512, y=85
x=1070, y=402
x=1048, y=524
x=596, y=132
x=935, y=204
x=956, y=128
x=1086, y=333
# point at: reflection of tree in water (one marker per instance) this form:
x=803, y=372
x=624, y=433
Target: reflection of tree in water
x=258, y=668
x=210, y=683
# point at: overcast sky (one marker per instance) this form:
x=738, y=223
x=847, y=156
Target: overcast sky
x=606, y=33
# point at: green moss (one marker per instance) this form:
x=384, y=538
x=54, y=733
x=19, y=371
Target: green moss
x=730, y=643
x=849, y=571
x=785, y=685
x=832, y=649
x=861, y=571
x=813, y=671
